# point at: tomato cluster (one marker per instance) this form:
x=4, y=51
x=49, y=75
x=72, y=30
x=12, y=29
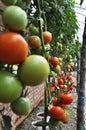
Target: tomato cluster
x=61, y=87
x=19, y=67
x=28, y=46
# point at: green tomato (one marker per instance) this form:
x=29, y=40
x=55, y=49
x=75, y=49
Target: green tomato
x=10, y=87
x=9, y=2
x=15, y=18
x=21, y=106
x=57, y=69
x=34, y=70
x=33, y=30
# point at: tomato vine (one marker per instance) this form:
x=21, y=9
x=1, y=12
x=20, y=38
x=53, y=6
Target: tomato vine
x=50, y=32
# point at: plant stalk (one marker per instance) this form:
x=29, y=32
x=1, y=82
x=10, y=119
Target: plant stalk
x=82, y=89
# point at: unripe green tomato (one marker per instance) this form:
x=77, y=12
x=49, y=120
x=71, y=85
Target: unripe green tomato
x=10, y=87
x=57, y=69
x=33, y=30
x=34, y=70
x=21, y=106
x=15, y=18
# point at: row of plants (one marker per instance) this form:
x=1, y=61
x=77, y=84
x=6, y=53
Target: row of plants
x=38, y=44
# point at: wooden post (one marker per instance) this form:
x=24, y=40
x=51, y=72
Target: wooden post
x=82, y=90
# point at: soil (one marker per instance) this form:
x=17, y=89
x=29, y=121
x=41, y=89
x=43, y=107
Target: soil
x=27, y=123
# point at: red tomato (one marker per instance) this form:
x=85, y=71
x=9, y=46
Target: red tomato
x=54, y=61
x=60, y=81
x=70, y=78
x=56, y=112
x=47, y=36
x=66, y=98
x=52, y=87
x=13, y=48
x=55, y=100
x=61, y=86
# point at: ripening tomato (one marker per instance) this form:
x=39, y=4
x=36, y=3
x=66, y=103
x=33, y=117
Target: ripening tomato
x=65, y=118
x=66, y=98
x=13, y=48
x=56, y=112
x=54, y=61
x=10, y=87
x=47, y=36
x=21, y=105
x=34, y=70
x=34, y=41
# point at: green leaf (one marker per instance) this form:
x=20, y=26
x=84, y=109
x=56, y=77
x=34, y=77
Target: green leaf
x=7, y=122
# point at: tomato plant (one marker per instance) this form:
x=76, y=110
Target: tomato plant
x=57, y=60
